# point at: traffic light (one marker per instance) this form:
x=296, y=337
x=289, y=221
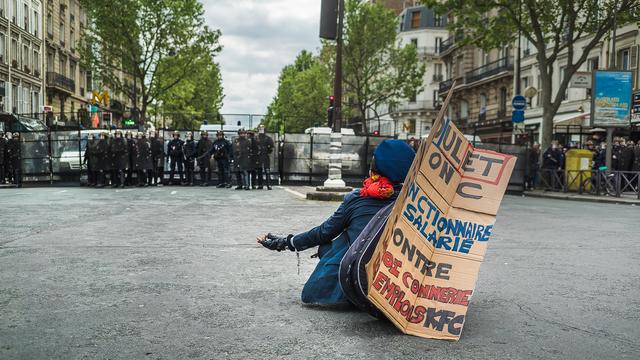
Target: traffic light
x=330, y=111
x=376, y=133
x=329, y=19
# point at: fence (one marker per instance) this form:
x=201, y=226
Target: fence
x=592, y=182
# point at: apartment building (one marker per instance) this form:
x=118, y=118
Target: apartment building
x=572, y=121
x=21, y=46
x=419, y=26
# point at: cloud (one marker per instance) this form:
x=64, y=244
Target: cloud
x=259, y=38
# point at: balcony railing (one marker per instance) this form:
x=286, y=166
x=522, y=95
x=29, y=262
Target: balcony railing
x=415, y=106
x=445, y=85
x=490, y=69
x=449, y=42
x=438, y=77
x=426, y=50
x=60, y=81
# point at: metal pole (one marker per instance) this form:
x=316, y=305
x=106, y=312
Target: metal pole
x=518, y=58
x=334, y=179
x=612, y=66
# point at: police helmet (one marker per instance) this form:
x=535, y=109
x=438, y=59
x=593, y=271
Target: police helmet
x=204, y=133
x=220, y=133
x=176, y=133
x=16, y=134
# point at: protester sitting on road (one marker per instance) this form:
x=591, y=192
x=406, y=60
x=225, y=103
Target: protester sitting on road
x=391, y=162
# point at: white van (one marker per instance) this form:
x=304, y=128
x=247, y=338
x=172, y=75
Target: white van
x=327, y=131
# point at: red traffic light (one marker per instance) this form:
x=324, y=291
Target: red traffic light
x=376, y=133
x=331, y=98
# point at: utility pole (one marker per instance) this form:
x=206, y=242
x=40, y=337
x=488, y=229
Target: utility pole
x=612, y=66
x=334, y=180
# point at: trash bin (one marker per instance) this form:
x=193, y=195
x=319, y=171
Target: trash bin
x=578, y=169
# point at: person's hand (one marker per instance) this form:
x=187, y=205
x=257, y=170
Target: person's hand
x=275, y=242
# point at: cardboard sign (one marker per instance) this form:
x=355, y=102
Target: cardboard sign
x=424, y=269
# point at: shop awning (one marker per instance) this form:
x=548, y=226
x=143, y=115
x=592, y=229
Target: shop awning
x=572, y=118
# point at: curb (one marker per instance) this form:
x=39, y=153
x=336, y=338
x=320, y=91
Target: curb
x=326, y=196
x=601, y=200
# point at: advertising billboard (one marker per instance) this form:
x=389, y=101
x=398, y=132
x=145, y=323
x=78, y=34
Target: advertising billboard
x=611, y=99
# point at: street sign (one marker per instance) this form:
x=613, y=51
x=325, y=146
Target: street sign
x=581, y=80
x=611, y=100
x=517, y=116
x=519, y=102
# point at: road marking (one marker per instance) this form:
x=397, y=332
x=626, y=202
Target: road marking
x=298, y=194
x=174, y=192
x=61, y=192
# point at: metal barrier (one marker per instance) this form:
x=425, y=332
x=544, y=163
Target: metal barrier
x=592, y=182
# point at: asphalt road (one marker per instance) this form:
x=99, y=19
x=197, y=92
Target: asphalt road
x=174, y=273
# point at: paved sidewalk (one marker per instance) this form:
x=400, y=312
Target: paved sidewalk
x=625, y=200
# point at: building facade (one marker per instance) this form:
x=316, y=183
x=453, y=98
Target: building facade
x=21, y=49
x=67, y=83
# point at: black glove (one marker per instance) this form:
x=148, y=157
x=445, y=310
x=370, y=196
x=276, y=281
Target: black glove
x=277, y=242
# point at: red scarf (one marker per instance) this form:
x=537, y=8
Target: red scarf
x=378, y=187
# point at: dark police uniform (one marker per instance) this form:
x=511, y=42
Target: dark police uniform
x=14, y=159
x=265, y=149
x=120, y=157
x=157, y=153
x=3, y=143
x=203, y=155
x=222, y=152
x=176, y=154
x=242, y=158
x=189, y=159
x=103, y=160
x=143, y=163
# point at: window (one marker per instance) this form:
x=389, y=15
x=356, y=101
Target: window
x=72, y=70
x=436, y=98
x=526, y=49
x=503, y=102
x=592, y=64
x=14, y=51
x=63, y=65
x=437, y=72
x=415, y=19
x=438, y=44
x=62, y=33
x=14, y=98
x=50, y=61
x=409, y=126
x=25, y=14
x=460, y=66
x=437, y=21
x=72, y=40
x=3, y=49
x=414, y=42
x=524, y=83
x=482, y=100
x=563, y=70
x=25, y=58
x=36, y=60
x=623, y=59
x=49, y=25
x=2, y=12
x=464, y=110
x=485, y=58
x=402, y=23
x=14, y=11
x=35, y=23
x=35, y=101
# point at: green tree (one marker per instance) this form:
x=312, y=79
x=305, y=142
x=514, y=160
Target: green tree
x=553, y=27
x=301, y=98
x=196, y=98
x=138, y=37
x=377, y=71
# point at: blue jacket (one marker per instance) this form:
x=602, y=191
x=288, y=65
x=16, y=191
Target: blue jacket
x=334, y=237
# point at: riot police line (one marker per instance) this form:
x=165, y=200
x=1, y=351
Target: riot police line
x=139, y=159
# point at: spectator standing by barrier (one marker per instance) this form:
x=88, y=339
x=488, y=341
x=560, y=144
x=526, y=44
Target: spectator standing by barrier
x=203, y=155
x=265, y=149
x=222, y=152
x=533, y=165
x=189, y=159
x=157, y=158
x=175, y=150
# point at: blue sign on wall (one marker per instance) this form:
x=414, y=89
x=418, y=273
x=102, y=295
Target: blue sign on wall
x=519, y=102
x=517, y=116
x=611, y=100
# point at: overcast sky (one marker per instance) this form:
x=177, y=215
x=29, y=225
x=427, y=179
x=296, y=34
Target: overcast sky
x=259, y=38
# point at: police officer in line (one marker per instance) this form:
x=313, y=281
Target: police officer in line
x=222, y=153
x=203, y=155
x=176, y=154
x=3, y=143
x=265, y=149
x=103, y=165
x=143, y=163
x=157, y=154
x=131, y=156
x=189, y=151
x=636, y=157
x=91, y=160
x=242, y=159
x=13, y=157
x=254, y=157
x=120, y=159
